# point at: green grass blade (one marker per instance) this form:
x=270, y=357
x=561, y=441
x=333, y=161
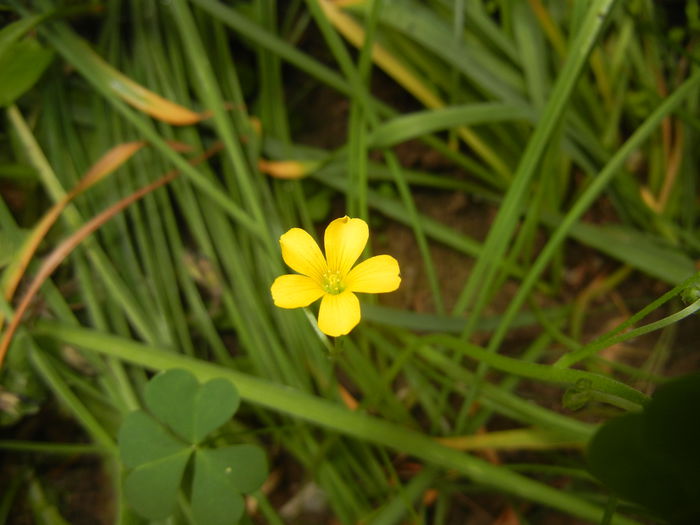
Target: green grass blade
x=505, y=222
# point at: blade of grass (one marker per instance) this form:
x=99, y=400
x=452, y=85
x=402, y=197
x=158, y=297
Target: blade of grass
x=259, y=37
x=406, y=127
x=48, y=177
x=73, y=50
x=544, y=373
x=505, y=222
x=318, y=11
x=211, y=96
x=395, y=510
x=411, y=82
x=21, y=259
x=611, y=168
x=59, y=254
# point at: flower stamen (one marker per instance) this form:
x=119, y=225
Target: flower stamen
x=333, y=283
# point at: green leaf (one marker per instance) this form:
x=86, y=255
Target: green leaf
x=245, y=466
x=169, y=396
x=615, y=456
x=142, y=440
x=640, y=250
x=673, y=430
x=151, y=489
x=219, y=478
x=190, y=409
x=158, y=460
x=420, y=123
x=14, y=31
x=213, y=502
x=20, y=67
x=652, y=458
x=158, y=457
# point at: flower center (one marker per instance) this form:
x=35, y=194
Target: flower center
x=332, y=283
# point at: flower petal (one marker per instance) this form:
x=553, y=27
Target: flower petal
x=339, y=313
x=378, y=274
x=295, y=291
x=344, y=241
x=302, y=254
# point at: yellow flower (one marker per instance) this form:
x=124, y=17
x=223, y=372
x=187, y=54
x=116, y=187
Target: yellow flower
x=332, y=277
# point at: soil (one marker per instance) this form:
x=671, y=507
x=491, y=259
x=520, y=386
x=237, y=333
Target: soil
x=75, y=484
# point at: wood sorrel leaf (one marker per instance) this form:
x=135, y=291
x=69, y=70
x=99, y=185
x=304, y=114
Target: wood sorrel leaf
x=219, y=478
x=213, y=501
x=652, y=458
x=157, y=448
x=143, y=440
x=673, y=426
x=151, y=488
x=190, y=409
x=158, y=460
x=244, y=466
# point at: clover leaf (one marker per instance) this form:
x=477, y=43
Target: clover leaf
x=191, y=410
x=20, y=68
x=221, y=473
x=652, y=458
x=157, y=447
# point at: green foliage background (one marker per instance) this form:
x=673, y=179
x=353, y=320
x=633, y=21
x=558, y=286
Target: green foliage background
x=571, y=124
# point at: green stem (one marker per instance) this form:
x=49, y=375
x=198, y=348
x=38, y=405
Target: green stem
x=50, y=448
x=596, y=346
x=537, y=371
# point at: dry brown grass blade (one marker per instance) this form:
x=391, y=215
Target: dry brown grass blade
x=517, y=439
x=348, y=398
x=140, y=97
x=64, y=249
x=673, y=140
x=68, y=245
x=106, y=165
x=288, y=169
x=148, y=101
